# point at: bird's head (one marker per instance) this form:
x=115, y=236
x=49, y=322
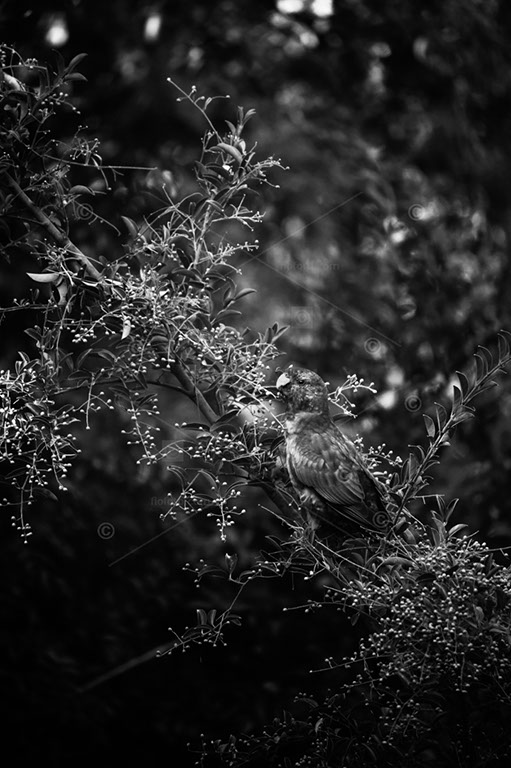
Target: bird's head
x=302, y=390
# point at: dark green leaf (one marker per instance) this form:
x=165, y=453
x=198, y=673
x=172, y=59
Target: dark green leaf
x=75, y=61
x=75, y=76
x=430, y=426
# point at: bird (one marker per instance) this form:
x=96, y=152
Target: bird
x=327, y=470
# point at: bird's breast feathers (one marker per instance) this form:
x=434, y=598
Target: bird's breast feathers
x=304, y=421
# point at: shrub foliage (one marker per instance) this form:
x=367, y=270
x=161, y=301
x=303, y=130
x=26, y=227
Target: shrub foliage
x=430, y=680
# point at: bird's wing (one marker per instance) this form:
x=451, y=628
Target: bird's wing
x=327, y=462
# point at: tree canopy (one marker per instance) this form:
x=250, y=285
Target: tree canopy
x=383, y=246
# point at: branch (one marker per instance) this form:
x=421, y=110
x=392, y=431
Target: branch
x=440, y=428
x=194, y=393
x=58, y=236
x=198, y=398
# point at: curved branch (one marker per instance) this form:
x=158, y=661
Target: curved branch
x=194, y=393
x=55, y=233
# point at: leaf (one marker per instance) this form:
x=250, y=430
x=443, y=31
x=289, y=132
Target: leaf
x=406, y=680
x=467, y=414
x=235, y=153
x=437, y=530
x=483, y=359
x=62, y=290
x=192, y=274
x=33, y=333
x=464, y=383
x=75, y=61
x=45, y=493
x=441, y=415
x=202, y=617
x=126, y=328
x=220, y=170
x=212, y=616
x=226, y=417
x=214, y=180
x=130, y=226
x=242, y=293
x=278, y=332
x=231, y=561
x=80, y=189
x=417, y=457
x=426, y=577
x=12, y=82
x=224, y=313
x=372, y=754
x=44, y=277
x=184, y=257
x=318, y=724
x=456, y=528
x=82, y=356
x=248, y=115
x=430, y=426
x=396, y=560
x=457, y=396
x=450, y=509
x=106, y=354
x=76, y=76
x=61, y=64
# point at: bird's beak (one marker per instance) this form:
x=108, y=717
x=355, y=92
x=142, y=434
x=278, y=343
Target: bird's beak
x=282, y=381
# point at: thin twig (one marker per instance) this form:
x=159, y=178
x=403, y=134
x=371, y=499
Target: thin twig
x=198, y=398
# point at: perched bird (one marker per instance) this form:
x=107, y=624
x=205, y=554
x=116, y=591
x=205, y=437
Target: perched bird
x=326, y=469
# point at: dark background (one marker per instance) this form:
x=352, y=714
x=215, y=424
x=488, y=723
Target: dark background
x=386, y=250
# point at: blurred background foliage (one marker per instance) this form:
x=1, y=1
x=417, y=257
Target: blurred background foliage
x=386, y=251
